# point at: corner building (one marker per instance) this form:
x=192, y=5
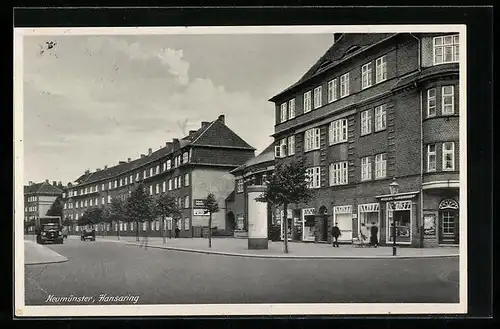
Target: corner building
x=188, y=168
x=38, y=198
x=376, y=107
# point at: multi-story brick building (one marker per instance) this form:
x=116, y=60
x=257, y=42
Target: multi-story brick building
x=38, y=198
x=189, y=168
x=376, y=107
x=252, y=172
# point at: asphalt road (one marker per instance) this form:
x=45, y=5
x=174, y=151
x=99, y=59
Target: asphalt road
x=173, y=277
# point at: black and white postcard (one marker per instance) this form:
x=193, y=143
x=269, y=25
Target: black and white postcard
x=249, y=170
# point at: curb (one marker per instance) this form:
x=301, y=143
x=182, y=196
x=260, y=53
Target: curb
x=222, y=253
x=49, y=262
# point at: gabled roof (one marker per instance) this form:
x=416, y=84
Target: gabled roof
x=214, y=133
x=218, y=134
x=346, y=47
x=267, y=155
x=42, y=188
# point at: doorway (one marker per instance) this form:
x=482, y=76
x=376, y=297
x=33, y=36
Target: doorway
x=448, y=222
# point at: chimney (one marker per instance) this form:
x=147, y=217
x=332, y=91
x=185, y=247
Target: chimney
x=168, y=144
x=121, y=162
x=143, y=155
x=204, y=124
x=70, y=185
x=87, y=172
x=97, y=169
x=54, y=183
x=222, y=118
x=105, y=167
x=30, y=183
x=47, y=181
x=192, y=132
x=150, y=150
x=128, y=159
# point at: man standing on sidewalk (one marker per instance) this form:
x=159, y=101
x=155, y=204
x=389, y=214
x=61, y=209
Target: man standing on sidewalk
x=335, y=235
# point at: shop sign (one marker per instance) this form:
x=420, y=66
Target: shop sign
x=369, y=207
x=199, y=203
x=200, y=212
x=308, y=211
x=400, y=205
x=342, y=209
x=430, y=224
x=398, y=197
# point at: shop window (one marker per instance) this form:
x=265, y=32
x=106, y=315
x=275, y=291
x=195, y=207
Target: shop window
x=399, y=214
x=369, y=215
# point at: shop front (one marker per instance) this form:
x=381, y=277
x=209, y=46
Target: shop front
x=308, y=220
x=368, y=216
x=342, y=215
x=399, y=213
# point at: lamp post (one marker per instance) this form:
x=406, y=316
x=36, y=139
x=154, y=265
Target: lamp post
x=394, y=188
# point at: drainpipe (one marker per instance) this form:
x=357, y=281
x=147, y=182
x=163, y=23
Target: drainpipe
x=421, y=219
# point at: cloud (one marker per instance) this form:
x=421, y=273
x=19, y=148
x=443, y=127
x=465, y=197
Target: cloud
x=178, y=66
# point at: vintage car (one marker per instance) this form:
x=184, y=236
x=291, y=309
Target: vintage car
x=87, y=234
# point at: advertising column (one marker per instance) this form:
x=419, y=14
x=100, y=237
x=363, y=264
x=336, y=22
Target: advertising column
x=257, y=218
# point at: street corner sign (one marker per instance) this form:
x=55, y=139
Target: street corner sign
x=199, y=203
x=200, y=212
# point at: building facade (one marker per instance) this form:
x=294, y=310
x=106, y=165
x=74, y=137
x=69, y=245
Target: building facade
x=188, y=168
x=373, y=108
x=38, y=198
x=253, y=172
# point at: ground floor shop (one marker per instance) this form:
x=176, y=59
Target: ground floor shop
x=417, y=219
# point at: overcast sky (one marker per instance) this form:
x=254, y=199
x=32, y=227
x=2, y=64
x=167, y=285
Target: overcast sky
x=91, y=101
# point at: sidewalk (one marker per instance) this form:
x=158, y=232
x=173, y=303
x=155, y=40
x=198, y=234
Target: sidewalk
x=35, y=254
x=238, y=247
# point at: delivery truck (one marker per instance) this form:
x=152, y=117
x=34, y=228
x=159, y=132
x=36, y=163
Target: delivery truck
x=49, y=229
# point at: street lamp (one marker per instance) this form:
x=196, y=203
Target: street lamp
x=394, y=188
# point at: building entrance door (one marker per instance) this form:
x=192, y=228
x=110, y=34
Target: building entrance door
x=448, y=228
x=448, y=222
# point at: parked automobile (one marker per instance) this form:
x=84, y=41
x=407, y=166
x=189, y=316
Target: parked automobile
x=88, y=234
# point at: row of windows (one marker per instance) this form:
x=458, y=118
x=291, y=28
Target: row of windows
x=32, y=199
x=447, y=101
x=240, y=183
x=31, y=208
x=124, y=226
x=155, y=170
x=337, y=132
x=445, y=50
x=338, y=172
x=173, y=183
x=336, y=88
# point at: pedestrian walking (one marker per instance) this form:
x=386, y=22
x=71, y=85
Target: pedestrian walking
x=373, y=235
x=335, y=235
x=177, y=232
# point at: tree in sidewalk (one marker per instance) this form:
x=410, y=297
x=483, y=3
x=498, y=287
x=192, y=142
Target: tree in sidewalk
x=56, y=209
x=139, y=207
x=287, y=185
x=166, y=206
x=211, y=207
x=115, y=212
x=91, y=216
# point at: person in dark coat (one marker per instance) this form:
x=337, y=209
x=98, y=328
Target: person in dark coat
x=373, y=235
x=177, y=232
x=335, y=235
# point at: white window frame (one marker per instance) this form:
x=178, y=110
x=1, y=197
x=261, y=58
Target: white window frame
x=169, y=164
x=380, y=118
x=446, y=152
x=312, y=139
x=187, y=202
x=366, y=122
x=339, y=173
x=381, y=69
x=438, y=45
x=157, y=188
x=318, y=99
x=380, y=165
x=170, y=184
x=164, y=186
x=344, y=85
x=283, y=112
x=337, y=131
x=109, y=199
x=366, y=168
x=429, y=100
x=431, y=154
x=366, y=75
x=314, y=177
x=332, y=90
x=291, y=109
x=116, y=183
x=186, y=179
x=307, y=102
x=445, y=96
x=291, y=145
x=110, y=185
x=151, y=171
